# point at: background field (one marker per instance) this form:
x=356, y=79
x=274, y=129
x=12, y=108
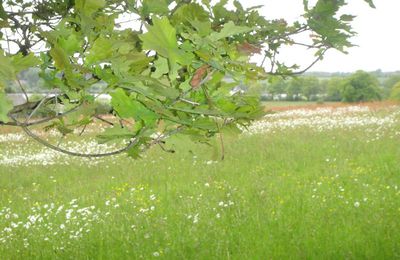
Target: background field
x=302, y=190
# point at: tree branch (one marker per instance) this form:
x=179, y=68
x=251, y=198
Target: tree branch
x=131, y=144
x=320, y=57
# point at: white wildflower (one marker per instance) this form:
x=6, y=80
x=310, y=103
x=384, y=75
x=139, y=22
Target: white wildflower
x=196, y=219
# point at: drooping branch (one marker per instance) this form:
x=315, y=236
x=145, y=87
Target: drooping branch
x=181, y=70
x=40, y=140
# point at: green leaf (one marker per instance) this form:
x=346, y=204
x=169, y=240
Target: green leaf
x=71, y=44
x=10, y=66
x=22, y=63
x=347, y=18
x=60, y=58
x=371, y=3
x=188, y=13
x=134, y=152
x=7, y=71
x=101, y=50
x=161, y=65
x=131, y=63
x=5, y=107
x=226, y=105
x=128, y=108
x=3, y=14
x=62, y=62
x=142, y=113
x=231, y=129
x=205, y=124
x=155, y=7
x=149, y=87
x=161, y=37
x=228, y=30
x=88, y=7
x=122, y=104
x=94, y=5
x=203, y=28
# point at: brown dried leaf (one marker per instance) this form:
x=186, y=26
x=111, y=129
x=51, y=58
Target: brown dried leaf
x=248, y=48
x=198, y=76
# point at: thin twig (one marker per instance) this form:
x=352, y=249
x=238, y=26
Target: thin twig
x=104, y=120
x=23, y=90
x=164, y=149
x=221, y=139
x=190, y=102
x=83, y=130
x=320, y=57
x=263, y=61
x=36, y=109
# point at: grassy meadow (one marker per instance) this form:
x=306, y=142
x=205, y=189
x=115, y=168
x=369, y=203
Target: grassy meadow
x=300, y=184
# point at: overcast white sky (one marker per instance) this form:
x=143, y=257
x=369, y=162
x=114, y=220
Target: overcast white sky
x=378, y=35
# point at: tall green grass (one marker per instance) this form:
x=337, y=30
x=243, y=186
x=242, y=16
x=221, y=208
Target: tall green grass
x=295, y=194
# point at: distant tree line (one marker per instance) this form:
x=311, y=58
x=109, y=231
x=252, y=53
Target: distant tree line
x=313, y=86
x=356, y=87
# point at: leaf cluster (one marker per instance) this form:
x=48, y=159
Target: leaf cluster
x=177, y=65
